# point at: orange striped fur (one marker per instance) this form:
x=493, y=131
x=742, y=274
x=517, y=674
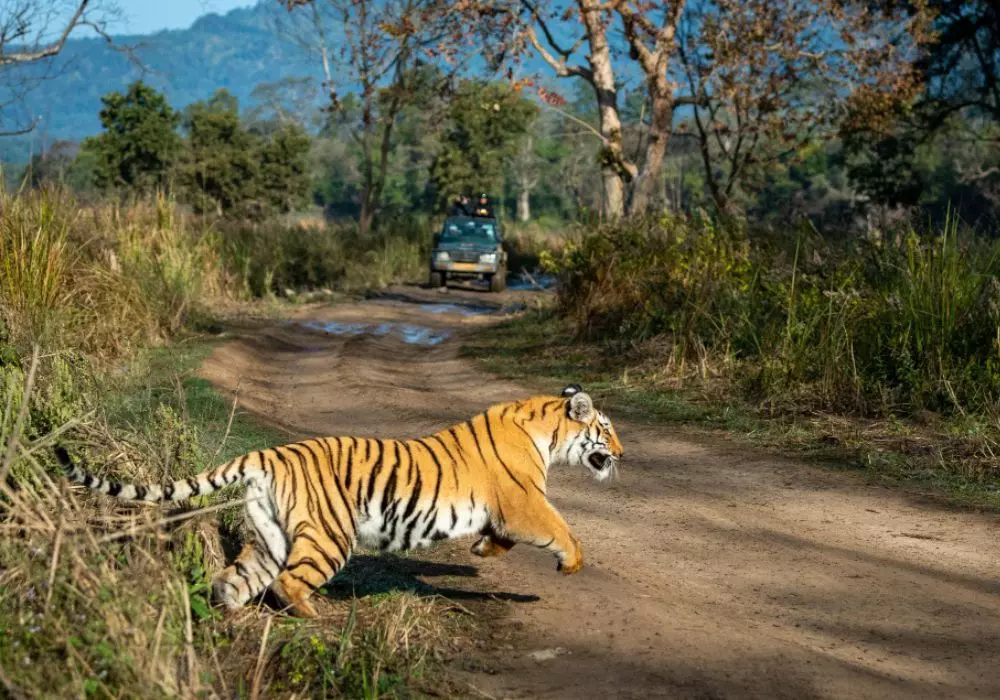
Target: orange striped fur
x=311, y=503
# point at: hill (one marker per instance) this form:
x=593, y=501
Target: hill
x=237, y=51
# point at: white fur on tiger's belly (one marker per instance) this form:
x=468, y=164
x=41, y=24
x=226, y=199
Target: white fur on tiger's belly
x=374, y=532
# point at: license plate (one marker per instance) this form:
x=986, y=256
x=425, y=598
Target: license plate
x=468, y=267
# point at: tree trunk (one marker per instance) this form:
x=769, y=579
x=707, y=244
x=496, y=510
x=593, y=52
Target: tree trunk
x=614, y=166
x=524, y=204
x=366, y=217
x=614, y=194
x=376, y=173
x=660, y=125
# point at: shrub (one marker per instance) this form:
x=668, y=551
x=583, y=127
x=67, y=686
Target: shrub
x=657, y=278
x=282, y=254
x=897, y=324
x=102, y=279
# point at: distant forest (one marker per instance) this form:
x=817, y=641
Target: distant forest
x=781, y=120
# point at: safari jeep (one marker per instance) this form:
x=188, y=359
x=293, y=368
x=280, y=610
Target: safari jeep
x=469, y=247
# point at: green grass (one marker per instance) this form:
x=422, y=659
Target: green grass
x=951, y=459
x=167, y=374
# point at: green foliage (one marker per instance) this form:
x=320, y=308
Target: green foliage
x=228, y=170
x=384, y=653
x=219, y=171
x=895, y=325
x=189, y=560
x=665, y=276
x=485, y=120
x=139, y=141
x=284, y=176
x=276, y=256
x=885, y=168
x=940, y=172
x=63, y=164
x=960, y=66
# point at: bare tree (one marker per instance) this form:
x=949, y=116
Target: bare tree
x=770, y=76
x=652, y=40
x=523, y=167
x=384, y=51
x=288, y=100
x=760, y=76
x=34, y=31
x=584, y=24
x=580, y=40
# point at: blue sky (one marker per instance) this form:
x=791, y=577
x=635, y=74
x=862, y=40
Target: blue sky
x=148, y=16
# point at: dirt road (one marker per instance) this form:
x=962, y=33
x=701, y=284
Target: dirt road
x=711, y=571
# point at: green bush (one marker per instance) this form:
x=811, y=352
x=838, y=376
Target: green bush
x=894, y=324
x=656, y=277
x=281, y=254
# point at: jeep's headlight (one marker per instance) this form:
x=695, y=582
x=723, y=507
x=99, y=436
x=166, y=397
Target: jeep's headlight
x=442, y=256
x=487, y=258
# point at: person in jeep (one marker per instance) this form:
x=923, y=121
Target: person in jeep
x=469, y=248
x=460, y=206
x=483, y=207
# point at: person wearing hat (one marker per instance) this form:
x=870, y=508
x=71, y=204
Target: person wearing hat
x=483, y=207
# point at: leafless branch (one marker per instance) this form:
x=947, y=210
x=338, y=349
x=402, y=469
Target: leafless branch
x=22, y=131
x=53, y=48
x=977, y=174
x=558, y=65
x=590, y=129
x=128, y=51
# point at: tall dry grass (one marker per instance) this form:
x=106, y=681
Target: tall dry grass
x=36, y=259
x=105, y=599
x=111, y=277
x=100, y=598
x=275, y=256
x=104, y=279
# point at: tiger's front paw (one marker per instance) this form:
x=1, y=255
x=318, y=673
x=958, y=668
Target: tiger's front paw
x=572, y=562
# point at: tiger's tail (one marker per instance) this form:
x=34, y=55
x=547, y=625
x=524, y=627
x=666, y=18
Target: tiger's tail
x=240, y=469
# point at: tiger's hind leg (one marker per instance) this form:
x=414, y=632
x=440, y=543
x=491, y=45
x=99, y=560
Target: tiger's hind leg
x=492, y=544
x=313, y=560
x=260, y=562
x=250, y=574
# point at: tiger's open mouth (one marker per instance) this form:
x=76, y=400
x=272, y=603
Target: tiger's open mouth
x=599, y=461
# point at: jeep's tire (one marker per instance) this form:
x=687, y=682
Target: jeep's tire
x=498, y=280
x=438, y=280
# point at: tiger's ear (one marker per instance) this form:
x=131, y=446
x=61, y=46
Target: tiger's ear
x=581, y=407
x=572, y=389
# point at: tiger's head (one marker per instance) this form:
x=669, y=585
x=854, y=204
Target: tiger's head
x=590, y=438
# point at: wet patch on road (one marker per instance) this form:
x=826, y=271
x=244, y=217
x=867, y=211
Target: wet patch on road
x=408, y=333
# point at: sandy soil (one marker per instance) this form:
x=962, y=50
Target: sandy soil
x=712, y=571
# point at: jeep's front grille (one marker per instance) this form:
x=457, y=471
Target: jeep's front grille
x=465, y=256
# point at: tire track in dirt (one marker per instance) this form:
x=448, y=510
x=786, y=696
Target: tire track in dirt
x=712, y=571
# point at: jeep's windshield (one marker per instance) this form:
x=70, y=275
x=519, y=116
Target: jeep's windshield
x=462, y=229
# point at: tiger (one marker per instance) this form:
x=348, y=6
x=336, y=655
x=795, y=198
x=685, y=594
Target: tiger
x=309, y=504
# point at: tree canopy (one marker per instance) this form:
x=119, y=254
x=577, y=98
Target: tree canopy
x=139, y=143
